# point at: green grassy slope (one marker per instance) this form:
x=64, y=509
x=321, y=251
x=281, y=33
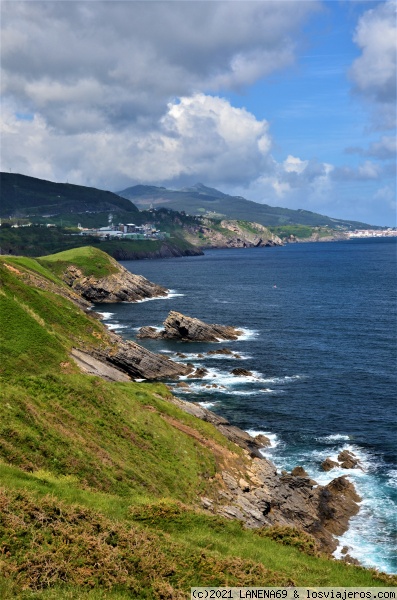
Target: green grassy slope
x=100, y=481
x=30, y=196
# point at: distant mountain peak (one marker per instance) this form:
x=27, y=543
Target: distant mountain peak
x=205, y=190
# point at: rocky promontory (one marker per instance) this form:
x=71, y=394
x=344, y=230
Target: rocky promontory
x=180, y=327
x=121, y=286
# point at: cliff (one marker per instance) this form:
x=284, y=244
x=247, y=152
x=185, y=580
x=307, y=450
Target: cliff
x=114, y=486
x=98, y=278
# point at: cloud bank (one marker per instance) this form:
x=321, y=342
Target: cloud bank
x=115, y=93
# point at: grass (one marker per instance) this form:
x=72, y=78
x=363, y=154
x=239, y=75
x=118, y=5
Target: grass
x=101, y=482
x=91, y=261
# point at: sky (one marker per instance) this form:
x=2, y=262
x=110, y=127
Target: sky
x=291, y=103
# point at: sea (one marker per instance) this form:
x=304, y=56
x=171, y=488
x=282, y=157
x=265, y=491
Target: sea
x=318, y=325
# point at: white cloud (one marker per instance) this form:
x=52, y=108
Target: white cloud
x=293, y=164
x=124, y=61
x=374, y=72
x=200, y=136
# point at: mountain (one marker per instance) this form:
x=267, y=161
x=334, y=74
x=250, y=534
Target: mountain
x=200, y=200
x=28, y=196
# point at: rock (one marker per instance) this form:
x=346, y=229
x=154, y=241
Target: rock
x=348, y=460
x=241, y=373
x=198, y=373
x=181, y=355
x=259, y=497
x=206, y=503
x=243, y=485
x=120, y=286
x=182, y=384
x=350, y=560
x=138, y=362
x=147, y=332
x=328, y=464
x=299, y=472
x=344, y=550
x=262, y=440
x=220, y=351
x=180, y=327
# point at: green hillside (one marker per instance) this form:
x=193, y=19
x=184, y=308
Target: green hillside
x=199, y=200
x=101, y=481
x=28, y=196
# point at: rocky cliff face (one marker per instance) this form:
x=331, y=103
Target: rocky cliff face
x=137, y=362
x=180, y=327
x=231, y=234
x=260, y=497
x=122, y=286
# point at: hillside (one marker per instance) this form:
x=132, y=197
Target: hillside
x=200, y=200
x=28, y=196
x=103, y=478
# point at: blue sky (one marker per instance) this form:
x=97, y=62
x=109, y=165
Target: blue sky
x=291, y=103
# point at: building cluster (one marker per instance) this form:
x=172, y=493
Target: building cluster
x=128, y=231
x=370, y=233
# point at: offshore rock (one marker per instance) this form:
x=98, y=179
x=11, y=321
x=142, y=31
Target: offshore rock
x=180, y=327
x=120, y=286
x=241, y=373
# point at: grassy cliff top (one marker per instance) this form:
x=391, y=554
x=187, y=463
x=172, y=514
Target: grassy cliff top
x=101, y=481
x=90, y=260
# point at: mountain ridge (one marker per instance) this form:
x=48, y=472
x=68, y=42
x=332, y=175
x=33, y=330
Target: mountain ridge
x=199, y=198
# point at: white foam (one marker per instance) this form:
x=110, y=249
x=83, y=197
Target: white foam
x=114, y=326
x=272, y=437
x=207, y=404
x=392, y=480
x=105, y=315
x=247, y=334
x=285, y=379
x=336, y=437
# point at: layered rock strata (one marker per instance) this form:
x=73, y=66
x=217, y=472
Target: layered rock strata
x=138, y=362
x=180, y=327
x=121, y=286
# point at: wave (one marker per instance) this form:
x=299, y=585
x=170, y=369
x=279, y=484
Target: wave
x=247, y=334
x=116, y=326
x=272, y=437
x=105, y=315
x=170, y=294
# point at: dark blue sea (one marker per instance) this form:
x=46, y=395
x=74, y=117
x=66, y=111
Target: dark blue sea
x=319, y=324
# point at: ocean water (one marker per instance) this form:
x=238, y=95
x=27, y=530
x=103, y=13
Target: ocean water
x=319, y=337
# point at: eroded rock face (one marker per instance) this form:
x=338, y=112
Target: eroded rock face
x=138, y=362
x=180, y=327
x=121, y=286
x=261, y=497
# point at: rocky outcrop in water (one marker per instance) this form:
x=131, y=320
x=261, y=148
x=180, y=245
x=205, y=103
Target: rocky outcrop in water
x=180, y=327
x=346, y=460
x=121, y=286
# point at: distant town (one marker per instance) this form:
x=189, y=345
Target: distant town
x=369, y=233
x=128, y=231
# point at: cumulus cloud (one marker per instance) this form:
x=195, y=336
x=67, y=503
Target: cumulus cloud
x=201, y=136
x=366, y=171
x=374, y=72
x=87, y=65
